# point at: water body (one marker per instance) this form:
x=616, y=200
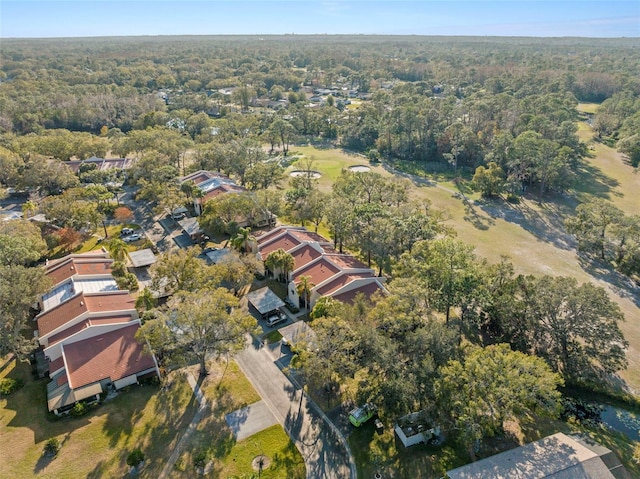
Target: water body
x=621, y=420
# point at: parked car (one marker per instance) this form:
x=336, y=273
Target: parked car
x=132, y=237
x=276, y=318
x=126, y=231
x=360, y=415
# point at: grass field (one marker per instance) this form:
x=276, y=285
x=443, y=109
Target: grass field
x=588, y=107
x=228, y=390
x=532, y=235
x=148, y=417
x=95, y=445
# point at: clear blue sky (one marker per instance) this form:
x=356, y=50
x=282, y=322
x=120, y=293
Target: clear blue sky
x=78, y=18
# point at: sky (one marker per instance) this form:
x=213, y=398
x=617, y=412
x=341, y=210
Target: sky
x=541, y=18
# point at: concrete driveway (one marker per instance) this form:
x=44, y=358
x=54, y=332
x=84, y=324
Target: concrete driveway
x=247, y=421
x=324, y=449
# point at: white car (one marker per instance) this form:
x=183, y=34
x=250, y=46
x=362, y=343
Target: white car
x=132, y=237
x=276, y=318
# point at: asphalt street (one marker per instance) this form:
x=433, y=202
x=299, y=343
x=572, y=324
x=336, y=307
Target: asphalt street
x=325, y=452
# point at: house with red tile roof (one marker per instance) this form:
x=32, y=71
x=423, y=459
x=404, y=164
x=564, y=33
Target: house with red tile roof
x=86, y=328
x=331, y=273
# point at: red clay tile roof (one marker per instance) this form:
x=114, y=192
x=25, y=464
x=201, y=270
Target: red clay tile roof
x=111, y=319
x=63, y=379
x=110, y=301
x=61, y=314
x=218, y=190
x=340, y=281
x=287, y=242
x=65, y=333
x=304, y=255
x=57, y=364
x=80, y=304
x=264, y=236
x=309, y=236
x=346, y=261
x=367, y=289
x=199, y=178
x=72, y=266
x=319, y=271
x=113, y=355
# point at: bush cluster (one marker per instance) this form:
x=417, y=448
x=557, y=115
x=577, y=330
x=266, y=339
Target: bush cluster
x=9, y=385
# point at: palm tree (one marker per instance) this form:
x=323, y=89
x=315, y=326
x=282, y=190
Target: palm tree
x=145, y=300
x=304, y=288
x=29, y=208
x=281, y=261
x=243, y=240
x=197, y=195
x=118, y=249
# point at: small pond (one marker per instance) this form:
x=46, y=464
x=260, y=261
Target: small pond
x=621, y=420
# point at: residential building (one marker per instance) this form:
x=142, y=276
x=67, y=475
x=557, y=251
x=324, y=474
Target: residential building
x=331, y=273
x=86, y=328
x=212, y=185
x=554, y=457
x=102, y=164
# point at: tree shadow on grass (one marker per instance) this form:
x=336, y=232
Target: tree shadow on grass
x=481, y=222
x=30, y=406
x=286, y=460
x=125, y=410
x=545, y=223
x=620, y=284
x=591, y=180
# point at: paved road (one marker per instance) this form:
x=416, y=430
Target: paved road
x=324, y=450
x=161, y=232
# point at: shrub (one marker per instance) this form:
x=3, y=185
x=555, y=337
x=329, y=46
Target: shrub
x=51, y=447
x=118, y=269
x=135, y=457
x=200, y=459
x=9, y=385
x=79, y=409
x=128, y=281
x=512, y=198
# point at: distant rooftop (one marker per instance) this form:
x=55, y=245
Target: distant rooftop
x=142, y=258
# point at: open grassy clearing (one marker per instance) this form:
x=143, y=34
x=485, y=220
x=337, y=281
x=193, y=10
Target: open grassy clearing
x=329, y=162
x=227, y=389
x=588, y=107
x=95, y=445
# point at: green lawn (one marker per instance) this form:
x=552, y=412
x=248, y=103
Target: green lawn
x=95, y=445
x=329, y=162
x=588, y=107
x=147, y=417
x=229, y=390
x=386, y=454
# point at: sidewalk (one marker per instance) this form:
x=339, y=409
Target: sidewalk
x=168, y=467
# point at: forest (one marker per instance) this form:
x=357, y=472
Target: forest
x=498, y=114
